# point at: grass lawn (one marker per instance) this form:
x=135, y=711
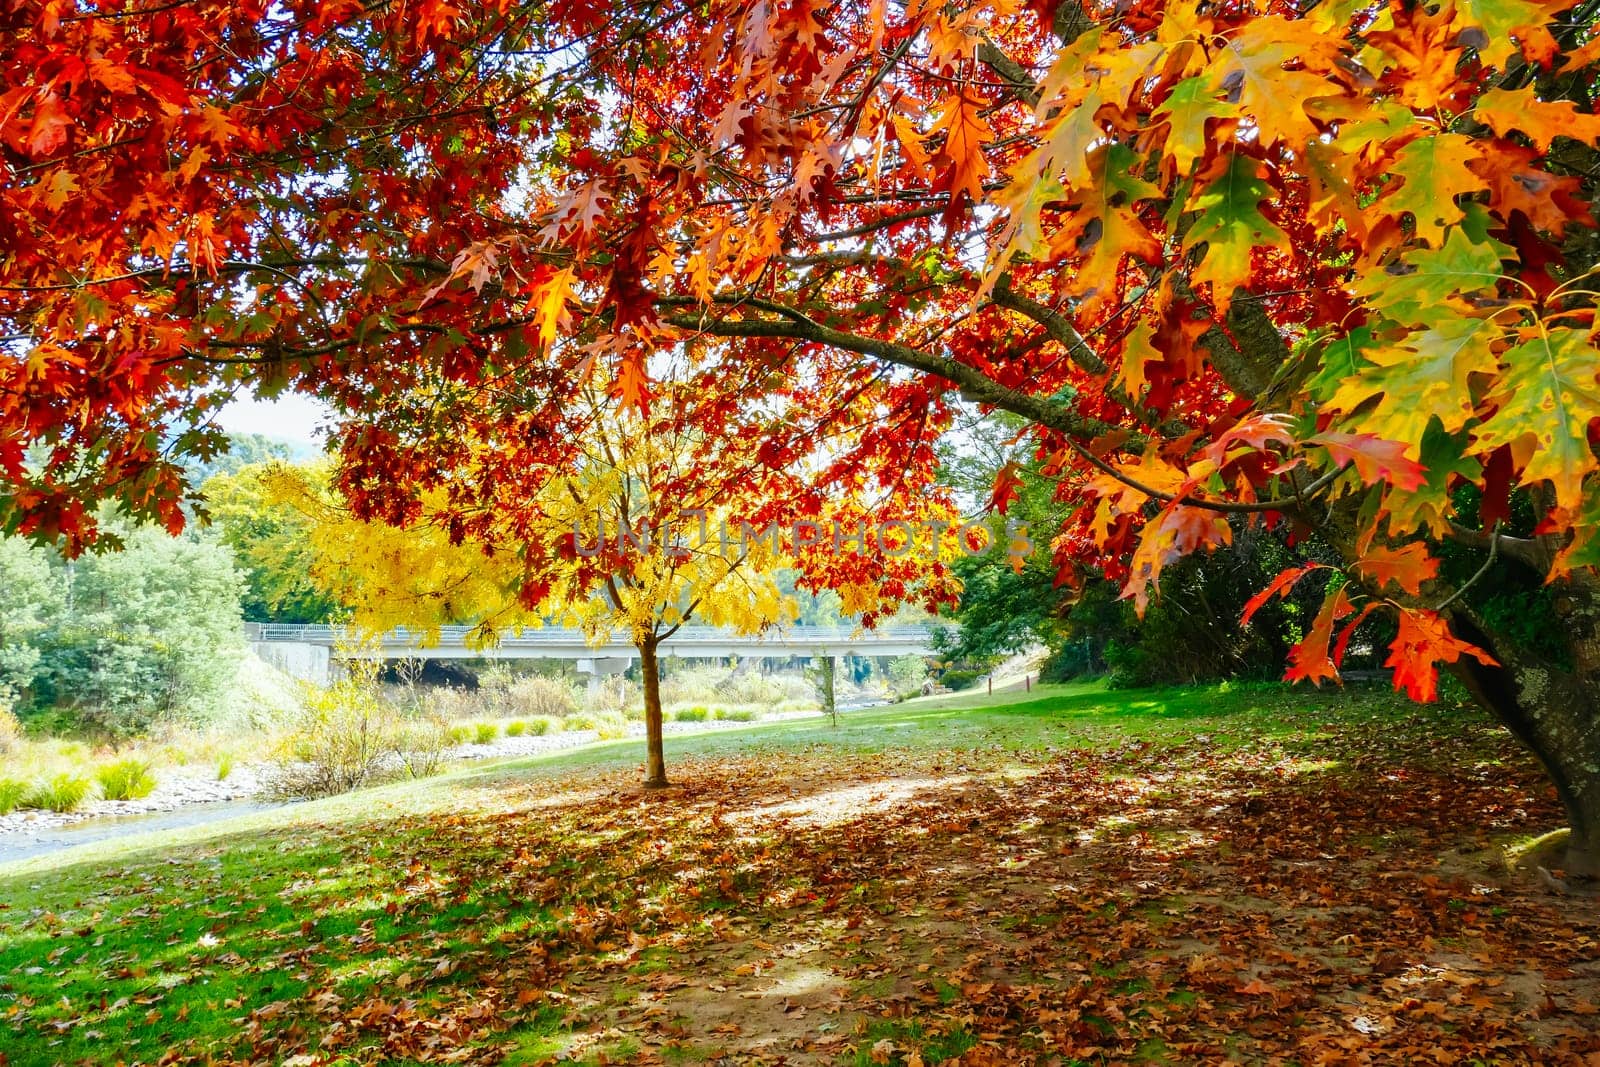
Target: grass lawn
x=1069, y=876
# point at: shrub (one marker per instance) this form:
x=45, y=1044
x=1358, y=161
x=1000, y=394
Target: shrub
x=152, y=637
x=224, y=768
x=752, y=688
x=542, y=725
x=421, y=744
x=740, y=715
x=541, y=696
x=128, y=779
x=959, y=680
x=457, y=735
x=63, y=792
x=484, y=733
x=516, y=729
x=608, y=724
x=344, y=736
x=12, y=792
x=10, y=730
x=696, y=714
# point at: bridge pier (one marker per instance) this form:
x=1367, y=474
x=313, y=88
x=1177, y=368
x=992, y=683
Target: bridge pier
x=598, y=668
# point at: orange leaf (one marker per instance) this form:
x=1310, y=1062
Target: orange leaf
x=965, y=135
x=1007, y=485
x=633, y=381
x=1408, y=566
x=1309, y=660
x=1423, y=642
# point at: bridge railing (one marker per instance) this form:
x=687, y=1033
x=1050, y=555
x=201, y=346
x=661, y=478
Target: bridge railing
x=455, y=636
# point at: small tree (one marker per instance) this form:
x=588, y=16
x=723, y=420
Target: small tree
x=637, y=533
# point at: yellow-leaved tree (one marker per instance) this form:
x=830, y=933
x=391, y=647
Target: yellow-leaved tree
x=638, y=533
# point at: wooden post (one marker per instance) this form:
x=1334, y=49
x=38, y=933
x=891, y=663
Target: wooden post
x=1027, y=683
x=991, y=684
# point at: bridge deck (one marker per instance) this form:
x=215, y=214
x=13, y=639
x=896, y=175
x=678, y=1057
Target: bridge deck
x=564, y=643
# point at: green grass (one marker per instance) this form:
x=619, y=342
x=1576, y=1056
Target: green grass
x=60, y=792
x=12, y=793
x=908, y=1035
x=128, y=779
x=233, y=917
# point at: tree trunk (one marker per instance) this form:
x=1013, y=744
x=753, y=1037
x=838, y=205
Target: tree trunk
x=1554, y=711
x=656, y=756
x=825, y=678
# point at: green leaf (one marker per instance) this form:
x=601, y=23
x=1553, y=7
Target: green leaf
x=1425, y=279
x=1185, y=111
x=1548, y=396
x=1433, y=172
x=1428, y=506
x=1231, y=226
x=1422, y=376
x=1340, y=358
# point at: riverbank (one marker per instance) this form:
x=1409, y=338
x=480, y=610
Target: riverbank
x=187, y=796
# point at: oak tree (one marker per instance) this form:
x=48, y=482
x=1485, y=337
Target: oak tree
x=1324, y=266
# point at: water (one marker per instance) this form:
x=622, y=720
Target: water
x=25, y=844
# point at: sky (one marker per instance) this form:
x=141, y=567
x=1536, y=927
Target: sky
x=289, y=417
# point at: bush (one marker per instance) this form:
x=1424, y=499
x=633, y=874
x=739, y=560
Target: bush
x=738, y=715
x=12, y=792
x=63, y=792
x=457, y=735
x=516, y=729
x=484, y=733
x=691, y=714
x=224, y=768
x=343, y=739
x=959, y=680
x=421, y=744
x=608, y=724
x=541, y=696
x=128, y=779
x=10, y=731
x=542, y=725
x=752, y=688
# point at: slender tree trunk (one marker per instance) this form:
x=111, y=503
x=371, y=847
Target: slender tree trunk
x=825, y=668
x=656, y=756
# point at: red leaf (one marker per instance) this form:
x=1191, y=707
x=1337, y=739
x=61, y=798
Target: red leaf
x=1007, y=486
x=1376, y=460
x=1279, y=586
x=1498, y=474
x=1348, y=632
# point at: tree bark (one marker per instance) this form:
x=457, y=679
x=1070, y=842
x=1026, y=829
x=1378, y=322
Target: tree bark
x=1552, y=710
x=825, y=677
x=655, y=757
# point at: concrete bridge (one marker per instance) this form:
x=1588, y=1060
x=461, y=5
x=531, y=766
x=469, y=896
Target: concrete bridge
x=309, y=652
